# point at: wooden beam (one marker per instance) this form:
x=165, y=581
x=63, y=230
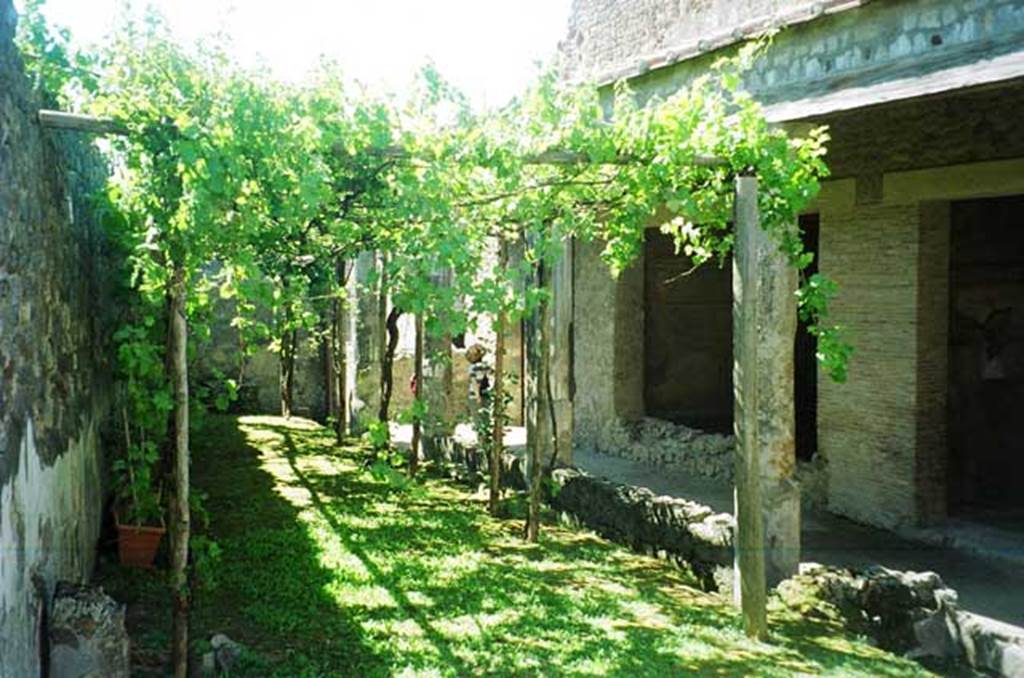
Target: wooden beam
x=556, y=156
x=81, y=123
x=96, y=125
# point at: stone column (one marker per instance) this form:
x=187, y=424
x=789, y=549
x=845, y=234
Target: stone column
x=767, y=497
x=437, y=382
x=365, y=339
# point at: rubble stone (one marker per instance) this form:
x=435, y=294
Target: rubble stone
x=87, y=634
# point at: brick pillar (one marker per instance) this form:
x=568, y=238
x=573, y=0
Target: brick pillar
x=883, y=432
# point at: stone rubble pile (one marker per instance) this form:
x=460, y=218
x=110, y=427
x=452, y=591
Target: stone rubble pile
x=913, y=613
x=663, y=443
x=87, y=634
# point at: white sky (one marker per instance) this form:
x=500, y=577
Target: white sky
x=487, y=48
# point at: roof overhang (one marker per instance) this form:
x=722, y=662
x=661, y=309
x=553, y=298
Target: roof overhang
x=988, y=72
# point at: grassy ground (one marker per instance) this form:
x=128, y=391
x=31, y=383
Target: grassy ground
x=327, y=570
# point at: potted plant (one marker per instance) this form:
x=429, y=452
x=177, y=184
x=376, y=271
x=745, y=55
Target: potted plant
x=138, y=511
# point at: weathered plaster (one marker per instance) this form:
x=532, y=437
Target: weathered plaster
x=54, y=373
x=49, y=526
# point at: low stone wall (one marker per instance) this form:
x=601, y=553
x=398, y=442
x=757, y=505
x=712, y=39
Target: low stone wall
x=690, y=534
x=687, y=533
x=913, y=613
x=907, y=612
x=708, y=455
x=663, y=443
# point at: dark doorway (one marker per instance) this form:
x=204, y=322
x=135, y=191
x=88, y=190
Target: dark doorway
x=986, y=356
x=687, y=338
x=805, y=349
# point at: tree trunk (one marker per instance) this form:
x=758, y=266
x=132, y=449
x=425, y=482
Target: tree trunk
x=498, y=395
x=180, y=507
x=387, y=368
x=289, y=340
x=417, y=424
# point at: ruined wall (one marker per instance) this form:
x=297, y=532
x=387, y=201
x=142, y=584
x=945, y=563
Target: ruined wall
x=884, y=229
x=53, y=376
x=829, y=45
x=218, y=357
x=607, y=35
x=608, y=347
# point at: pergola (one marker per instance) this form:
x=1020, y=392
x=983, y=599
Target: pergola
x=767, y=501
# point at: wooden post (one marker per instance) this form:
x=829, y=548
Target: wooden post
x=338, y=358
x=417, y=425
x=498, y=394
x=383, y=366
x=542, y=411
x=180, y=518
x=767, y=499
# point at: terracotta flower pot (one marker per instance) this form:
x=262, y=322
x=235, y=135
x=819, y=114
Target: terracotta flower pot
x=137, y=545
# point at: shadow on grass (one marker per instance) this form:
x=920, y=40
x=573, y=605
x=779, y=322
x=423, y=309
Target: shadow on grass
x=471, y=597
x=328, y=570
x=270, y=591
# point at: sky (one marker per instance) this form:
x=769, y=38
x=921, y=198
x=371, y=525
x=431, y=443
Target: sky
x=488, y=48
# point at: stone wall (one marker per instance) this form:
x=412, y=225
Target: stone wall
x=608, y=353
x=53, y=375
x=912, y=613
x=690, y=534
x=828, y=45
x=607, y=35
x=686, y=533
x=260, y=386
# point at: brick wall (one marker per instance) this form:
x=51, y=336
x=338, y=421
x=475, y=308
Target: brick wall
x=883, y=434
x=866, y=427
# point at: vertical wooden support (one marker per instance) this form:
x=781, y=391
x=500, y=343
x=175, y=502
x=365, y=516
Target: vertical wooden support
x=381, y=329
x=180, y=516
x=415, y=450
x=767, y=498
x=498, y=395
x=339, y=357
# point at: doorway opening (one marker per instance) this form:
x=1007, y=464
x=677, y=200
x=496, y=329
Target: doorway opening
x=986, y=359
x=687, y=338
x=805, y=359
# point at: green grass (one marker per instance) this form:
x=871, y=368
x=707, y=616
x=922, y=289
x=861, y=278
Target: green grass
x=328, y=571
